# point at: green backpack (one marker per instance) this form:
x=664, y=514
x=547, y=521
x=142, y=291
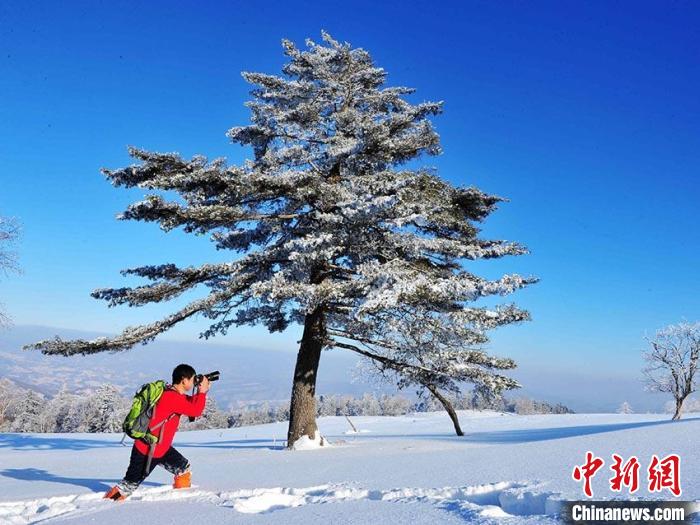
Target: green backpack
x=142, y=408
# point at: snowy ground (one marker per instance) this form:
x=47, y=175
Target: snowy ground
x=507, y=470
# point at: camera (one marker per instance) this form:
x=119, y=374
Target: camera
x=211, y=376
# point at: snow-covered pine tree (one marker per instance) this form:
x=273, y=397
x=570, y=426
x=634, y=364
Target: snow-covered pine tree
x=28, y=411
x=105, y=410
x=625, y=408
x=331, y=223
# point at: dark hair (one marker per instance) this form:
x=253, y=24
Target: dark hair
x=181, y=372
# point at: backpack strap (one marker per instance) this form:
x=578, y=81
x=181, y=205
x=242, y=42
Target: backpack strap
x=162, y=424
x=152, y=448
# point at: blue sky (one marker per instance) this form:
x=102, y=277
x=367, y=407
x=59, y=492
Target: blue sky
x=584, y=114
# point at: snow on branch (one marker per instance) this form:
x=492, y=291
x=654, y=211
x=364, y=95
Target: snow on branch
x=174, y=282
x=130, y=337
x=330, y=221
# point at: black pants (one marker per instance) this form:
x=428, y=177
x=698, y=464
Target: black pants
x=172, y=461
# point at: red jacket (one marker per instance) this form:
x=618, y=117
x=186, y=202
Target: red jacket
x=174, y=404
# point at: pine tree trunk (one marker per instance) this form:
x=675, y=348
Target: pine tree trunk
x=679, y=407
x=302, y=411
x=448, y=407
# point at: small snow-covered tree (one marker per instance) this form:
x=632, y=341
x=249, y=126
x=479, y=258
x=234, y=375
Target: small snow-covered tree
x=28, y=411
x=369, y=405
x=625, y=408
x=249, y=416
x=345, y=405
x=326, y=405
x=332, y=224
x=105, y=410
x=672, y=362
x=524, y=406
x=267, y=413
x=334, y=405
x=9, y=231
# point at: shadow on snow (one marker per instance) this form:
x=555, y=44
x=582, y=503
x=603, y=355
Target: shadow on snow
x=534, y=434
x=51, y=442
x=35, y=474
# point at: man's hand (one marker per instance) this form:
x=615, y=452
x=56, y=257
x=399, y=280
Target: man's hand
x=204, y=385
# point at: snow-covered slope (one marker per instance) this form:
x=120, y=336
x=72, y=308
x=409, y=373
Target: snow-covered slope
x=507, y=469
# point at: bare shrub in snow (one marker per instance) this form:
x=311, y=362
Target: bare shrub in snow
x=672, y=362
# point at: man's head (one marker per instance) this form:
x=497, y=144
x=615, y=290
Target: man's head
x=183, y=375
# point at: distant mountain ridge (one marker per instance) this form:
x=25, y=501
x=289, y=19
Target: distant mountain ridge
x=254, y=375
x=247, y=374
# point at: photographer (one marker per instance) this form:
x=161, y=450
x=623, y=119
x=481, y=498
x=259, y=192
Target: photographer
x=165, y=421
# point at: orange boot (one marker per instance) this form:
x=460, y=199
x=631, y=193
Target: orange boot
x=183, y=481
x=114, y=494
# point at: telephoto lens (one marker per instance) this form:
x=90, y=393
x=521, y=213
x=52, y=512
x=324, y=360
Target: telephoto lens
x=211, y=376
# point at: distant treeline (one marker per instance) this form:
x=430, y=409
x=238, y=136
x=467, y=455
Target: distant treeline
x=104, y=409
